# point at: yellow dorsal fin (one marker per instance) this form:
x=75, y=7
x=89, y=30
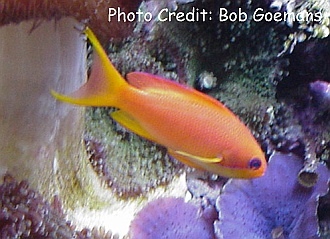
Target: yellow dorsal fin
x=130, y=123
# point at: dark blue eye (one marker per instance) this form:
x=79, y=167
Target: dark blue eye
x=255, y=163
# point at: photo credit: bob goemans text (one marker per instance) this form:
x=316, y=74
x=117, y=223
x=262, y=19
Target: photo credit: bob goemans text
x=203, y=15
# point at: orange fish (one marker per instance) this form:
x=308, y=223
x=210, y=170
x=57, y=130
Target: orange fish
x=195, y=128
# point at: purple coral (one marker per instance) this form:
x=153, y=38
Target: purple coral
x=320, y=91
x=171, y=218
x=273, y=204
x=24, y=213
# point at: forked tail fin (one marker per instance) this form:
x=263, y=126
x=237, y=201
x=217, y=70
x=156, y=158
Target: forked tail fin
x=104, y=84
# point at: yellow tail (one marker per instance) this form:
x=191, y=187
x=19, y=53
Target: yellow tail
x=104, y=84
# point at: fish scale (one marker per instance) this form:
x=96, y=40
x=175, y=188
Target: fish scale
x=195, y=128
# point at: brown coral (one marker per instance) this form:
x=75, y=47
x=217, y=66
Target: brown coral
x=92, y=12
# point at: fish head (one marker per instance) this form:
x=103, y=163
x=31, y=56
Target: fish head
x=248, y=165
x=229, y=164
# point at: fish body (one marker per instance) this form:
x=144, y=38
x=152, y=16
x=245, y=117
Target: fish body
x=195, y=128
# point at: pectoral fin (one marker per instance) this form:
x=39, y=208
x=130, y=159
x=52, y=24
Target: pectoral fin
x=130, y=123
x=193, y=160
x=201, y=159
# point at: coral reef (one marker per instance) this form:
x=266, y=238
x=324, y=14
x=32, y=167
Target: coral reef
x=277, y=95
x=308, y=62
x=128, y=164
x=221, y=56
x=204, y=187
x=33, y=126
x=273, y=204
x=310, y=20
x=39, y=137
x=171, y=218
x=324, y=216
x=320, y=92
x=24, y=213
x=304, y=95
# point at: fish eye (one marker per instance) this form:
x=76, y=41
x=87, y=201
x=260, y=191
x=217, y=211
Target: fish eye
x=254, y=163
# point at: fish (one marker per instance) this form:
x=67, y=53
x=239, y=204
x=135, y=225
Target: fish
x=196, y=129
